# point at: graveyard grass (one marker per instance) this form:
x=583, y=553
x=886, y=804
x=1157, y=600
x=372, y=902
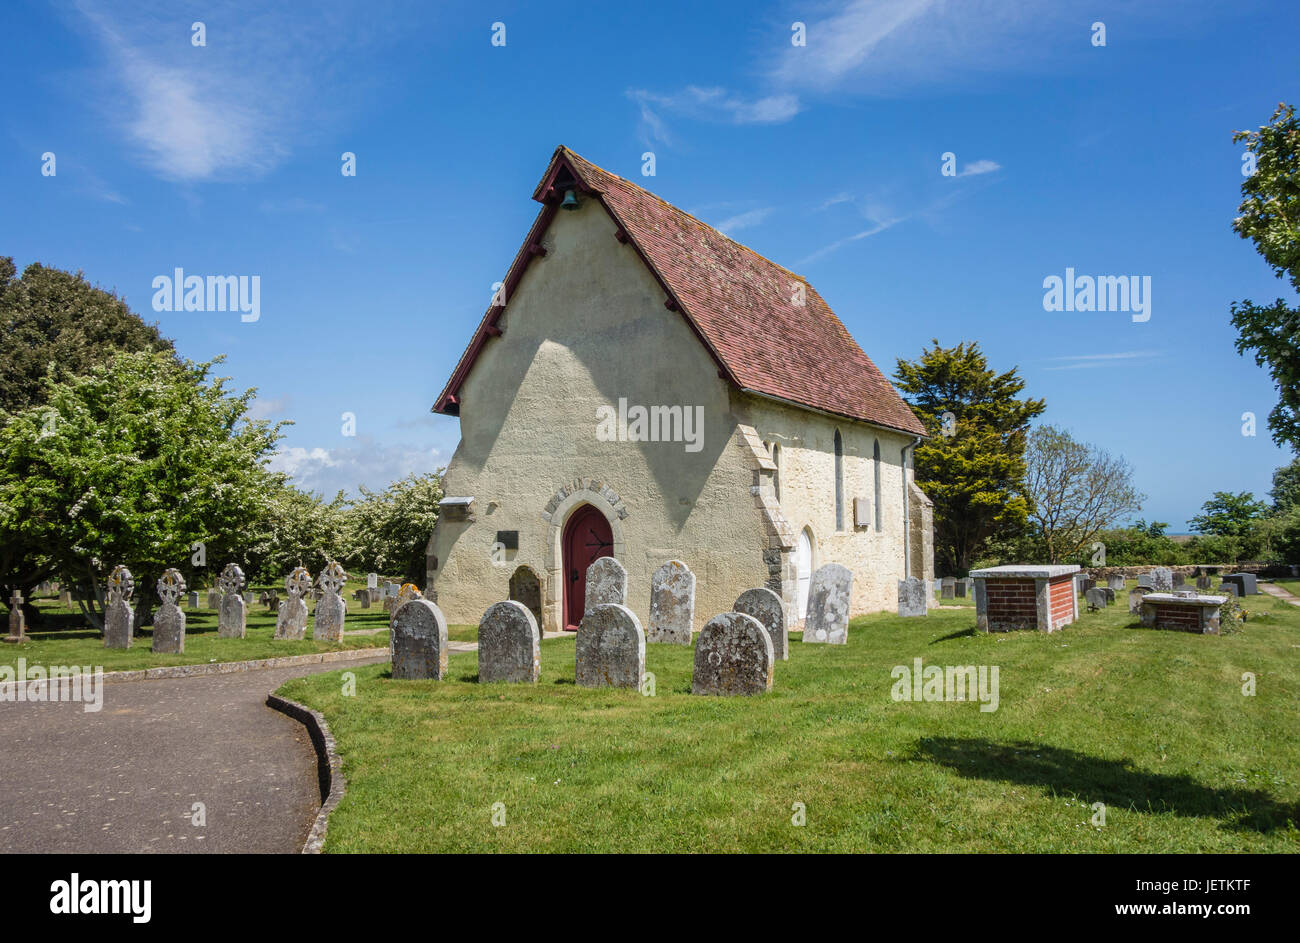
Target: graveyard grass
x=66, y=638
x=1152, y=723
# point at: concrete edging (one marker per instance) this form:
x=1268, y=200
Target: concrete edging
x=328, y=765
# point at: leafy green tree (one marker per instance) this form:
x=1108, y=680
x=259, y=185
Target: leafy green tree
x=1075, y=491
x=1270, y=217
x=387, y=532
x=1229, y=514
x=133, y=463
x=1153, y=529
x=1286, y=486
x=53, y=320
x=290, y=528
x=973, y=465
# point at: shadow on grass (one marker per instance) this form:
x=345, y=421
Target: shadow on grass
x=1114, y=782
x=960, y=633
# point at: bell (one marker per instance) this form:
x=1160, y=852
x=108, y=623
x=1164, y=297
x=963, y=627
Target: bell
x=570, y=201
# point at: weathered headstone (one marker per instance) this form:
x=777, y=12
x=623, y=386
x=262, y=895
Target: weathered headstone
x=232, y=614
x=1110, y=594
x=214, y=598
x=672, y=603
x=17, y=622
x=1228, y=589
x=610, y=648
x=372, y=581
x=1179, y=579
x=65, y=598
x=193, y=602
x=291, y=622
x=408, y=592
x=1146, y=580
x=829, y=596
x=119, y=619
x=606, y=584
x=1247, y=584
x=364, y=596
x=169, y=621
x=766, y=606
x=947, y=588
x=1135, y=597
x=419, y=642
x=1115, y=582
x=509, y=645
x=959, y=589
x=1096, y=599
x=1088, y=583
x=911, y=597
x=733, y=657
x=1202, y=582
x=331, y=610
x=1162, y=579
x=248, y=598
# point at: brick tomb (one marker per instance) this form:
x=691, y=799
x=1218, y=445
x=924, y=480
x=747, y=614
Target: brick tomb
x=1018, y=596
x=1188, y=613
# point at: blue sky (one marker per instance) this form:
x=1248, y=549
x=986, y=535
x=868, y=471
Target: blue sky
x=225, y=159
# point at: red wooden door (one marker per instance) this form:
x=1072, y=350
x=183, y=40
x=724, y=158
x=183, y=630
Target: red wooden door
x=586, y=538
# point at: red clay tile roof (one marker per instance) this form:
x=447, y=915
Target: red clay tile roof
x=739, y=303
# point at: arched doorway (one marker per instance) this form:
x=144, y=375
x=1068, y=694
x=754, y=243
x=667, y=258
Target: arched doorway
x=803, y=570
x=526, y=588
x=587, y=537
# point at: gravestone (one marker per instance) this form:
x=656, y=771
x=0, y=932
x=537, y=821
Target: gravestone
x=1246, y=583
x=947, y=588
x=232, y=611
x=17, y=622
x=733, y=657
x=331, y=610
x=1096, y=599
x=610, y=648
x=1115, y=582
x=766, y=606
x=1162, y=579
x=419, y=642
x=1088, y=583
x=1135, y=597
x=372, y=581
x=119, y=619
x=1110, y=594
x=1202, y=582
x=214, y=598
x=828, y=605
x=606, y=584
x=1145, y=580
x=291, y=622
x=672, y=603
x=407, y=593
x=509, y=645
x=248, y=598
x=1228, y=589
x=169, y=621
x=959, y=589
x=364, y=596
x=193, y=602
x=911, y=597
x=1179, y=579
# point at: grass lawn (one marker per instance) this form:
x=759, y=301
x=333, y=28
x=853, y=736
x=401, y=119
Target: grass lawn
x=1152, y=723
x=65, y=638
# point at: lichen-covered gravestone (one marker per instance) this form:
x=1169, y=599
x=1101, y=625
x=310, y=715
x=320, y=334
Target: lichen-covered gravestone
x=828, y=605
x=1162, y=579
x=169, y=621
x=331, y=609
x=606, y=584
x=610, y=648
x=509, y=646
x=119, y=618
x=766, y=606
x=291, y=623
x=419, y=642
x=733, y=657
x=911, y=597
x=1135, y=597
x=672, y=603
x=1115, y=582
x=232, y=612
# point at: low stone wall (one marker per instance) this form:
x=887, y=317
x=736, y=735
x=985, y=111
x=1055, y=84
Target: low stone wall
x=1265, y=570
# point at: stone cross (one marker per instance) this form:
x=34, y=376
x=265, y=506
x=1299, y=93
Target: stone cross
x=119, y=619
x=17, y=625
x=331, y=610
x=766, y=606
x=672, y=603
x=509, y=645
x=291, y=622
x=733, y=657
x=169, y=621
x=419, y=642
x=829, y=595
x=232, y=609
x=610, y=648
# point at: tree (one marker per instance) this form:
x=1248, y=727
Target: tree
x=52, y=320
x=1153, y=529
x=388, y=532
x=1270, y=217
x=1076, y=491
x=143, y=458
x=1286, y=486
x=1229, y=515
x=292, y=528
x=972, y=466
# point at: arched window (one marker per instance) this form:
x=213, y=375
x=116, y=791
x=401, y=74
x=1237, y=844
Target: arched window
x=776, y=476
x=875, y=460
x=839, y=481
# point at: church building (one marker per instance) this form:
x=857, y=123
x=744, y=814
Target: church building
x=646, y=388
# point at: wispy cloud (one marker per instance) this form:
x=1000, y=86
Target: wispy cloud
x=261, y=408
x=874, y=230
x=710, y=104
x=977, y=167
x=743, y=220
x=1091, y=361
x=330, y=470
